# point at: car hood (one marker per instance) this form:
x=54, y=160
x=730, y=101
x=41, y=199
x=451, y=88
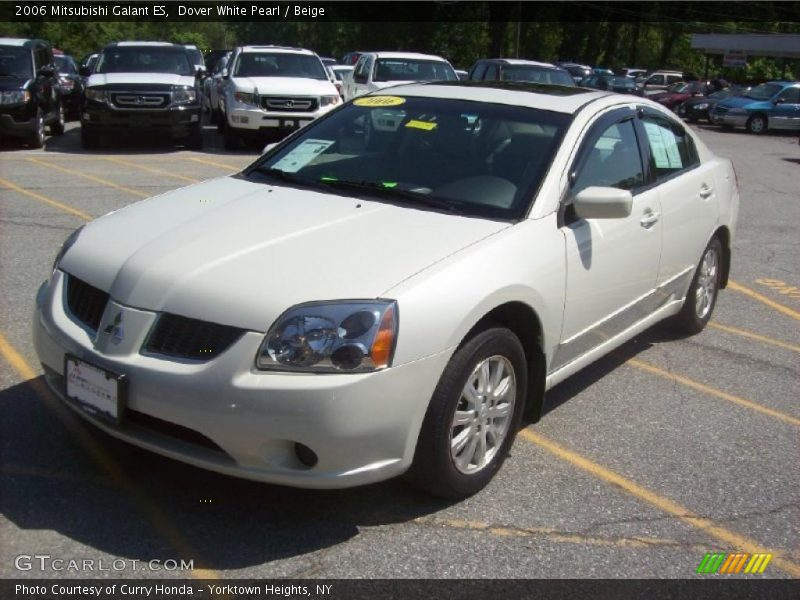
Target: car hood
x=240, y=253
x=742, y=102
x=98, y=79
x=279, y=86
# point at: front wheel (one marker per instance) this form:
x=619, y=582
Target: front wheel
x=757, y=124
x=36, y=138
x=702, y=295
x=473, y=416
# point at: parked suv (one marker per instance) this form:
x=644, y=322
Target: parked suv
x=29, y=91
x=142, y=86
x=377, y=70
x=270, y=91
x=513, y=69
x=771, y=105
x=660, y=80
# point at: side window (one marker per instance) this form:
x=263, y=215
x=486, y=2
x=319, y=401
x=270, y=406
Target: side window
x=671, y=148
x=478, y=72
x=40, y=58
x=491, y=72
x=656, y=80
x=673, y=79
x=613, y=161
x=790, y=96
x=360, y=73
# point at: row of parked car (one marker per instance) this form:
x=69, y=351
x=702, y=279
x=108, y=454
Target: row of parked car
x=264, y=93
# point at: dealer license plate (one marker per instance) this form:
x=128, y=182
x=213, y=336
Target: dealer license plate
x=94, y=389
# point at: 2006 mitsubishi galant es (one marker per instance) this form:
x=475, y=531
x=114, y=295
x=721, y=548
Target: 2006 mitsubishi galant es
x=385, y=291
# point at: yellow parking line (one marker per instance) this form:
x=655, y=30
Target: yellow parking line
x=159, y=520
x=755, y=336
x=214, y=164
x=775, y=414
x=738, y=287
x=46, y=200
x=90, y=178
x=664, y=504
x=150, y=169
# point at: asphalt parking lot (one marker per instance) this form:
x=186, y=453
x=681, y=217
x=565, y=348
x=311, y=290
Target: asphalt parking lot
x=644, y=462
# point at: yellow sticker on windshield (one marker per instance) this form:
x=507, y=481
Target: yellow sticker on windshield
x=427, y=126
x=379, y=101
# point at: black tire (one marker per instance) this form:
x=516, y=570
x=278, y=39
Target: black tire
x=36, y=137
x=757, y=124
x=57, y=126
x=230, y=138
x=435, y=468
x=89, y=139
x=195, y=138
x=695, y=314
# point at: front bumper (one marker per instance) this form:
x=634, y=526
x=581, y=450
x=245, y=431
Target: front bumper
x=177, y=121
x=17, y=123
x=362, y=427
x=256, y=120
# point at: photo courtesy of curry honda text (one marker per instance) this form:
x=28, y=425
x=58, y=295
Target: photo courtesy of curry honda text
x=386, y=290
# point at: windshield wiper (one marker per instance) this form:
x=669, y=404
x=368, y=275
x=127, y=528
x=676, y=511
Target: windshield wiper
x=392, y=191
x=286, y=176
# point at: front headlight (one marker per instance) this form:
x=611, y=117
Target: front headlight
x=68, y=243
x=96, y=95
x=329, y=100
x=245, y=98
x=332, y=337
x=185, y=95
x=15, y=97
x=700, y=106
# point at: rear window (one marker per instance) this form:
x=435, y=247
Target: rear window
x=536, y=75
x=397, y=69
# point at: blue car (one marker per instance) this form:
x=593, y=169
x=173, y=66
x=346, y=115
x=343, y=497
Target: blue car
x=771, y=105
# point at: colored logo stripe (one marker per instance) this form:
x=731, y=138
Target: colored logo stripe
x=723, y=563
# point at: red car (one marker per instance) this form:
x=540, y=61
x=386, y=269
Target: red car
x=679, y=92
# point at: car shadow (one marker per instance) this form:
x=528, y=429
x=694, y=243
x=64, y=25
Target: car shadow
x=792, y=160
x=141, y=143
x=134, y=504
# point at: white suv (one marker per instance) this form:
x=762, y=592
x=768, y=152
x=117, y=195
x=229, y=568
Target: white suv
x=270, y=91
x=378, y=70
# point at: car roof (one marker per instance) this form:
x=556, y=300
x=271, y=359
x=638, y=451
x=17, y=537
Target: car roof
x=521, y=62
x=286, y=49
x=135, y=43
x=555, y=98
x=414, y=55
x=785, y=83
x=20, y=42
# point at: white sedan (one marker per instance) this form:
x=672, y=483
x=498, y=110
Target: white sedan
x=346, y=310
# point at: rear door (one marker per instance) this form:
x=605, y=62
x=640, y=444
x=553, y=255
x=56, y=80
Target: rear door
x=687, y=192
x=786, y=114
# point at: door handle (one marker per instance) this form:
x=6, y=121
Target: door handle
x=706, y=191
x=649, y=219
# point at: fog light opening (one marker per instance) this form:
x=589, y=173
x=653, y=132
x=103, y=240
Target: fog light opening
x=305, y=455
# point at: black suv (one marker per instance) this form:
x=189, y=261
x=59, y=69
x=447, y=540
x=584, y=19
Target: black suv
x=140, y=87
x=29, y=91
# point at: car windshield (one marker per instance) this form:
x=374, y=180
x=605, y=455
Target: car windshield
x=470, y=158
x=144, y=59
x=409, y=69
x=536, y=75
x=65, y=65
x=279, y=64
x=578, y=71
x=765, y=91
x=15, y=62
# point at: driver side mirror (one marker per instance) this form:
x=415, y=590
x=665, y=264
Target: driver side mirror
x=84, y=71
x=225, y=74
x=47, y=71
x=779, y=101
x=200, y=72
x=597, y=202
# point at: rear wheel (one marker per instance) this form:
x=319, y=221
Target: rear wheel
x=473, y=416
x=702, y=295
x=757, y=124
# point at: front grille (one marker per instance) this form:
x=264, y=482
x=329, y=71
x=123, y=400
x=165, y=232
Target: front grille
x=285, y=104
x=182, y=337
x=85, y=302
x=139, y=100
